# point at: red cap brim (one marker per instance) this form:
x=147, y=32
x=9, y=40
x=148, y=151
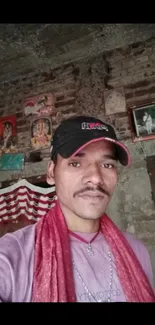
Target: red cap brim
x=123, y=152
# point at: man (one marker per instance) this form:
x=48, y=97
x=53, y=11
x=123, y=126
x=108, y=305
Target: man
x=147, y=119
x=76, y=253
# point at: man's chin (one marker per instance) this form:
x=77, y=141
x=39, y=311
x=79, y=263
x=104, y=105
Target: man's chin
x=91, y=214
x=93, y=206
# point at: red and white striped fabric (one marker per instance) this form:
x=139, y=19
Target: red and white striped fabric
x=25, y=200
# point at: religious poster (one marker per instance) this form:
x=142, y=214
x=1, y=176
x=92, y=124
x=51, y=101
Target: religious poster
x=41, y=133
x=8, y=135
x=39, y=105
x=39, y=110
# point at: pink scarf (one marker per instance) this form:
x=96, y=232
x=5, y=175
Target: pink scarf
x=53, y=277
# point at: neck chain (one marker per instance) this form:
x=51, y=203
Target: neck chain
x=110, y=280
x=89, y=247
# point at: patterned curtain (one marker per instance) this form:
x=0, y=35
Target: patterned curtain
x=23, y=203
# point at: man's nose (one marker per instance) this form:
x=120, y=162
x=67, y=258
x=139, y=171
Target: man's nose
x=93, y=175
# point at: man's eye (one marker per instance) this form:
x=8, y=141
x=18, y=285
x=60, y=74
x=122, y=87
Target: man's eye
x=108, y=166
x=74, y=164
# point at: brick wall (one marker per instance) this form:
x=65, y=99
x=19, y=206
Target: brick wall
x=61, y=83
x=79, y=88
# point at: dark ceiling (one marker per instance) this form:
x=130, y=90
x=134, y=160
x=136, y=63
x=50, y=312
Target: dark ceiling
x=27, y=47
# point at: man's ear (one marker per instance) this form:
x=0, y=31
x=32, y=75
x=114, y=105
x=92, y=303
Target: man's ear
x=50, y=173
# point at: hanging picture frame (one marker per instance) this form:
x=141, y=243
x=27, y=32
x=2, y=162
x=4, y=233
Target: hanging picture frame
x=142, y=121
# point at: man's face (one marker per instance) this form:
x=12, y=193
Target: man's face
x=85, y=183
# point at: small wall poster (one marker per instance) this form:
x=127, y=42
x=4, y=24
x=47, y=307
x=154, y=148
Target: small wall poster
x=12, y=161
x=114, y=101
x=41, y=133
x=8, y=134
x=39, y=105
x=39, y=110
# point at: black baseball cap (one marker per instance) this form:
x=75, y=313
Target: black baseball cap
x=75, y=133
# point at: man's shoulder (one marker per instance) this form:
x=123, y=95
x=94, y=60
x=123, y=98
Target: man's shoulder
x=19, y=238
x=136, y=243
x=16, y=264
x=142, y=254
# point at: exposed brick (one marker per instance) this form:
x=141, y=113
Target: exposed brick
x=131, y=67
x=15, y=82
x=65, y=102
x=151, y=90
x=120, y=115
x=59, y=97
x=25, y=135
x=36, y=75
x=71, y=85
x=19, y=109
x=116, y=67
x=138, y=84
x=122, y=129
x=136, y=45
x=67, y=65
x=139, y=67
x=68, y=110
x=25, y=78
x=26, y=91
x=5, y=84
x=150, y=41
x=20, y=115
x=126, y=51
x=22, y=128
x=121, y=73
x=139, y=101
x=139, y=52
x=141, y=59
x=128, y=64
x=30, y=85
x=129, y=95
x=138, y=76
x=149, y=73
x=48, y=76
x=28, y=71
x=70, y=93
x=140, y=92
x=75, y=72
x=21, y=122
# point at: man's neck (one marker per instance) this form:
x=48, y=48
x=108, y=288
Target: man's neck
x=78, y=224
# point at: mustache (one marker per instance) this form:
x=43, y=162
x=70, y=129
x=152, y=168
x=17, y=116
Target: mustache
x=92, y=189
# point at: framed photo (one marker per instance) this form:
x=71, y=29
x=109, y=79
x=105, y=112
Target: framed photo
x=142, y=119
